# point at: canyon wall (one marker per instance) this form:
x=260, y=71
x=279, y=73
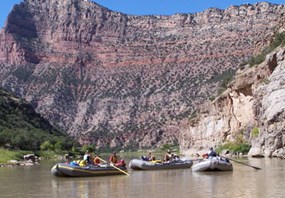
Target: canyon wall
x=116, y=80
x=252, y=109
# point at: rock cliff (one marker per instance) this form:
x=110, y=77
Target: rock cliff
x=252, y=108
x=117, y=80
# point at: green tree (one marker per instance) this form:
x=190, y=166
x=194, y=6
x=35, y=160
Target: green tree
x=46, y=145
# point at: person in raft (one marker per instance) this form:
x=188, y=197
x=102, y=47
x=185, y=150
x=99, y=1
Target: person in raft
x=167, y=156
x=210, y=154
x=97, y=160
x=113, y=160
x=87, y=156
x=149, y=157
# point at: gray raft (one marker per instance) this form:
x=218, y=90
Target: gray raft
x=213, y=164
x=137, y=164
x=66, y=170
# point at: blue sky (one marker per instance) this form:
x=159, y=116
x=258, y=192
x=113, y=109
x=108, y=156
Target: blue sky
x=144, y=7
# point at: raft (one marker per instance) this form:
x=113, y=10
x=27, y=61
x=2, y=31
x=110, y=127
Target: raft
x=213, y=164
x=137, y=164
x=66, y=170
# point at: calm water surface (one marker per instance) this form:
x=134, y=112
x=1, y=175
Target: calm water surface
x=37, y=181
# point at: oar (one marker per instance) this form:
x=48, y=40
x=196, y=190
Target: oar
x=257, y=168
x=114, y=167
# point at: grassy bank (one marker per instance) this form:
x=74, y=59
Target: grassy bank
x=6, y=155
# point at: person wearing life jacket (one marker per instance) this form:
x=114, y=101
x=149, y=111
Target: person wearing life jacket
x=113, y=159
x=121, y=163
x=149, y=157
x=96, y=160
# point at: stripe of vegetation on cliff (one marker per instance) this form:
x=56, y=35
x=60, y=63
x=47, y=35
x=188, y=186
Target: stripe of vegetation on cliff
x=226, y=77
x=279, y=40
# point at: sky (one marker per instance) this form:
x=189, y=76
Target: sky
x=146, y=7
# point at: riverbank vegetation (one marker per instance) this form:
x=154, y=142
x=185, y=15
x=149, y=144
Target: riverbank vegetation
x=6, y=155
x=21, y=128
x=235, y=147
x=23, y=131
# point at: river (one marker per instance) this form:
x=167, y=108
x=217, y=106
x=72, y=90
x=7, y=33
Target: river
x=243, y=181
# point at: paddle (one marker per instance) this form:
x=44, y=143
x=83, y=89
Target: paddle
x=257, y=168
x=114, y=166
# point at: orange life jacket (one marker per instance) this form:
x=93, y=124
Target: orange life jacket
x=97, y=160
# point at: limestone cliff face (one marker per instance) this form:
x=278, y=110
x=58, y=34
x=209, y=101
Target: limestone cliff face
x=116, y=80
x=269, y=110
x=255, y=99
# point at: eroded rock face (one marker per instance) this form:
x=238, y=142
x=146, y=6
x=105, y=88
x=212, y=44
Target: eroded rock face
x=269, y=108
x=255, y=99
x=116, y=80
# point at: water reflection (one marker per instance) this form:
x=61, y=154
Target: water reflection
x=242, y=182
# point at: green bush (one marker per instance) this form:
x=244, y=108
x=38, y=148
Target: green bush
x=257, y=59
x=279, y=40
x=87, y=147
x=193, y=115
x=235, y=147
x=255, y=132
x=172, y=147
x=59, y=146
x=46, y=145
x=212, y=98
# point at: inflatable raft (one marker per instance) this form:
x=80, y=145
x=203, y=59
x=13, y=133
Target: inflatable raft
x=137, y=164
x=213, y=164
x=66, y=170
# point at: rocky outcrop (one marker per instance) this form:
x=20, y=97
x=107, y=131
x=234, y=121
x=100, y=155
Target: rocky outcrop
x=28, y=160
x=115, y=80
x=269, y=110
x=254, y=101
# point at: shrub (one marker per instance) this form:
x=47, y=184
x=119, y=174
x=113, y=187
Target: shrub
x=235, y=147
x=172, y=147
x=279, y=40
x=257, y=59
x=46, y=145
x=193, y=115
x=255, y=132
x=59, y=146
x=87, y=147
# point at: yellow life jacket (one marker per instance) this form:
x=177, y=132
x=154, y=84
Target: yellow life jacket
x=82, y=163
